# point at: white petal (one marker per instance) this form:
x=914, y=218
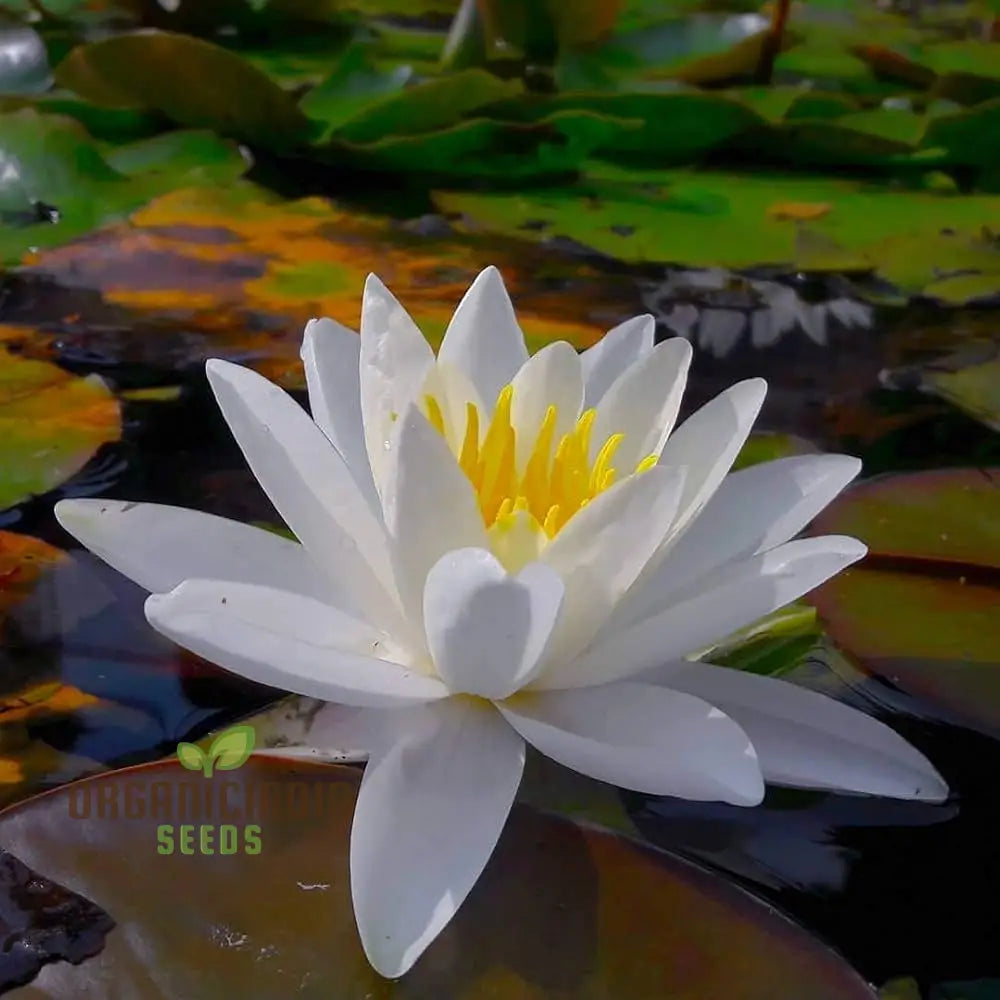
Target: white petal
x=600, y=552
x=708, y=442
x=752, y=511
x=331, y=355
x=617, y=350
x=487, y=630
x=429, y=814
x=808, y=740
x=311, y=488
x=643, y=404
x=290, y=642
x=483, y=337
x=395, y=359
x=642, y=737
x=725, y=601
x=550, y=377
x=431, y=508
x=159, y=546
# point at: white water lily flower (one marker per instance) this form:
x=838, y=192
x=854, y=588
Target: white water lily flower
x=498, y=549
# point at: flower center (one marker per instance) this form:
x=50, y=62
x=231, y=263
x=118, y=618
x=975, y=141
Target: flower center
x=557, y=479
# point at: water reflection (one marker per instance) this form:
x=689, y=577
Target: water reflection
x=716, y=309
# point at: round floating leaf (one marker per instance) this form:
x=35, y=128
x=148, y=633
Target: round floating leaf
x=713, y=219
x=429, y=106
x=483, y=148
x=51, y=424
x=921, y=610
x=969, y=379
x=22, y=560
x=189, y=154
x=561, y=911
x=192, y=82
x=668, y=127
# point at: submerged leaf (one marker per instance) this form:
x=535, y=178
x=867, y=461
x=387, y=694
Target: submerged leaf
x=51, y=424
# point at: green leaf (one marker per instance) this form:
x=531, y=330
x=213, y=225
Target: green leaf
x=191, y=756
x=353, y=86
x=51, y=425
x=969, y=380
x=671, y=127
x=971, y=137
x=717, y=219
x=192, y=82
x=766, y=446
x=231, y=748
x=192, y=155
x=484, y=148
x=428, y=106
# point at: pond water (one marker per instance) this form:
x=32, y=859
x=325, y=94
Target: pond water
x=104, y=330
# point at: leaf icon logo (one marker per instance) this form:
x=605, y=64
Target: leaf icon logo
x=229, y=750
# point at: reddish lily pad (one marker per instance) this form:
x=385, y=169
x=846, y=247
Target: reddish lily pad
x=51, y=424
x=921, y=609
x=561, y=911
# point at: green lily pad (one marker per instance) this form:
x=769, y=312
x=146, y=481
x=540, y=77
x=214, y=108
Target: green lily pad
x=561, y=911
x=920, y=611
x=954, y=268
x=970, y=137
x=352, y=87
x=54, y=171
x=766, y=446
x=193, y=82
x=969, y=380
x=485, y=148
x=669, y=127
x=51, y=424
x=709, y=219
x=431, y=105
x=194, y=155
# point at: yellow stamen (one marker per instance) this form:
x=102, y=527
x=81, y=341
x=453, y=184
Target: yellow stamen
x=556, y=481
x=434, y=414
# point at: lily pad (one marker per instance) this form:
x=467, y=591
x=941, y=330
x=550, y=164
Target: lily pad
x=193, y=82
x=713, y=219
x=352, y=87
x=195, y=155
x=358, y=106
x=669, y=127
x=51, y=424
x=561, y=911
x=482, y=148
x=920, y=611
x=969, y=379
